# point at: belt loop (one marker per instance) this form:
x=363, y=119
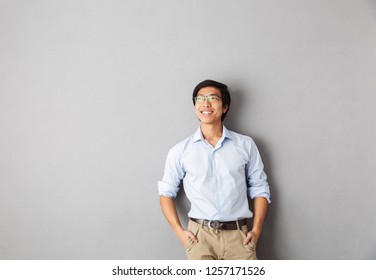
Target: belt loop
x=202, y=223
x=237, y=224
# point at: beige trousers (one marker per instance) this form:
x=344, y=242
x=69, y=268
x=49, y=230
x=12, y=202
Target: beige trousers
x=219, y=244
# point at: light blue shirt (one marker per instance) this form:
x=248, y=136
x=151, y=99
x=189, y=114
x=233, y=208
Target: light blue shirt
x=217, y=179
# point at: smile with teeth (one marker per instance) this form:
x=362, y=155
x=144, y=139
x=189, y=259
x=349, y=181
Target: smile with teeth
x=206, y=113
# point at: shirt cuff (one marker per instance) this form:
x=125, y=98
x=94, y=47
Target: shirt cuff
x=165, y=189
x=259, y=191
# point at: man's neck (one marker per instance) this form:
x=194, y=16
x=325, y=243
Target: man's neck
x=212, y=133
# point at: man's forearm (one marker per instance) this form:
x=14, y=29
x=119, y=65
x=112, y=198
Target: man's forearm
x=260, y=207
x=169, y=211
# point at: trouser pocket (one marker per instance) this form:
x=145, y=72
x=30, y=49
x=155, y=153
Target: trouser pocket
x=250, y=245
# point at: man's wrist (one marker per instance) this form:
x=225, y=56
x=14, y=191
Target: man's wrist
x=178, y=229
x=257, y=229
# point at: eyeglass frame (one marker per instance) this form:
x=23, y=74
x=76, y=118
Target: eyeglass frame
x=210, y=98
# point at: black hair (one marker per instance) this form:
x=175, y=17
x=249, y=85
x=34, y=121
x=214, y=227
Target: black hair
x=225, y=94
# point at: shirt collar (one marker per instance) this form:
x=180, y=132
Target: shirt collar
x=198, y=134
x=227, y=133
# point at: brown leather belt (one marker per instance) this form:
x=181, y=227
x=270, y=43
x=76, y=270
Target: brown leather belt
x=232, y=225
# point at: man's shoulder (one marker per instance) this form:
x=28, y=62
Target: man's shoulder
x=181, y=145
x=240, y=137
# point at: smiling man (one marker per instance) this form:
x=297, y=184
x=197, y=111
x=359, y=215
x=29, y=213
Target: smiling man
x=220, y=169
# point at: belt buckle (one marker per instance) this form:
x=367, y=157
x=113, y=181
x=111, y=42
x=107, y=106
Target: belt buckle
x=214, y=224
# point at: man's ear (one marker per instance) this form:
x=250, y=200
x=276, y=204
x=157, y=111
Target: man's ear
x=225, y=108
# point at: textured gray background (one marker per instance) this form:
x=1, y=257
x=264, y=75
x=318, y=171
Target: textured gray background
x=94, y=93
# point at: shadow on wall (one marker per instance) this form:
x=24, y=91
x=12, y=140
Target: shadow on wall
x=266, y=248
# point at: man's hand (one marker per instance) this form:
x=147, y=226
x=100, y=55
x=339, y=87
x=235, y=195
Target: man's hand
x=185, y=236
x=253, y=236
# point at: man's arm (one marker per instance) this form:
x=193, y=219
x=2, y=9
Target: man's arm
x=260, y=207
x=171, y=215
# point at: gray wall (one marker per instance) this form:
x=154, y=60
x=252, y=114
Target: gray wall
x=94, y=93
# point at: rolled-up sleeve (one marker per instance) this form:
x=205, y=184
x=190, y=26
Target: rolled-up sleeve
x=173, y=174
x=257, y=179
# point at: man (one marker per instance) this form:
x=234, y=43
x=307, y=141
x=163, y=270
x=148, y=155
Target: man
x=219, y=168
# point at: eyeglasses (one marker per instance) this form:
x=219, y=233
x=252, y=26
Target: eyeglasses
x=210, y=98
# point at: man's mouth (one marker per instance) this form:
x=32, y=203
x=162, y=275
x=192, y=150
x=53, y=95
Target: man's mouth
x=206, y=113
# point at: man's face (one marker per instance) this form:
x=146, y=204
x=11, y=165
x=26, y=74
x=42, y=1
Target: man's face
x=209, y=111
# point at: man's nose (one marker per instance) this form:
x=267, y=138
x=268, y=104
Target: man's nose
x=206, y=103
